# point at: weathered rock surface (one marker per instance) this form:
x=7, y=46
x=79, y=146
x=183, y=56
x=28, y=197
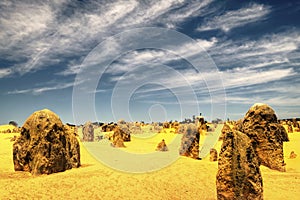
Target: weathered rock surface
x=45, y=145
x=226, y=128
x=162, y=146
x=190, y=142
x=182, y=128
x=290, y=128
x=88, y=132
x=136, y=130
x=267, y=135
x=295, y=123
x=213, y=155
x=175, y=125
x=125, y=132
x=108, y=127
x=238, y=174
x=166, y=125
x=118, y=140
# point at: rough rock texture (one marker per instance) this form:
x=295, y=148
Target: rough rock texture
x=290, y=128
x=238, y=174
x=45, y=145
x=190, y=142
x=118, y=140
x=108, y=127
x=135, y=129
x=182, y=128
x=175, y=125
x=162, y=146
x=125, y=132
x=203, y=128
x=295, y=123
x=226, y=128
x=267, y=135
x=88, y=132
x=213, y=155
x=13, y=138
x=166, y=125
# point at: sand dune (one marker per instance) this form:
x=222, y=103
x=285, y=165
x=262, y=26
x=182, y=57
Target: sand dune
x=183, y=179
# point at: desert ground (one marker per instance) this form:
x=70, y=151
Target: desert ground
x=185, y=178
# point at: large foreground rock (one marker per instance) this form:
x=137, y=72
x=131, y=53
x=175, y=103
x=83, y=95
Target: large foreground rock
x=238, y=174
x=267, y=135
x=45, y=145
x=190, y=142
x=88, y=132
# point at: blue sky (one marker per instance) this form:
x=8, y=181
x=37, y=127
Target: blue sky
x=46, y=46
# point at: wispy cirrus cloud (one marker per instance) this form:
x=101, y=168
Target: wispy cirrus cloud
x=271, y=50
x=38, y=35
x=236, y=18
x=39, y=90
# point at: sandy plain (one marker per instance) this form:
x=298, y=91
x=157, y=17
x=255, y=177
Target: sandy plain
x=184, y=178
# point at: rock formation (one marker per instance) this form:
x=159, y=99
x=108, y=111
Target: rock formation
x=267, y=135
x=213, y=155
x=88, y=132
x=166, y=125
x=162, y=146
x=118, y=140
x=293, y=155
x=295, y=123
x=182, y=128
x=108, y=127
x=157, y=128
x=238, y=174
x=190, y=142
x=135, y=129
x=226, y=128
x=175, y=125
x=125, y=132
x=290, y=128
x=45, y=145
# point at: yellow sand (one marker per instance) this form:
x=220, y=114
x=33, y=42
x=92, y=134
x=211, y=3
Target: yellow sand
x=6, y=127
x=184, y=179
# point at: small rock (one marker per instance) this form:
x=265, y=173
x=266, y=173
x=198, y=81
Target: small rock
x=190, y=142
x=162, y=146
x=293, y=155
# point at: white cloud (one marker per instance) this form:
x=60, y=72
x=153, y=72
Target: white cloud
x=269, y=50
x=71, y=70
x=40, y=39
x=5, y=72
x=42, y=35
x=245, y=77
x=24, y=21
x=236, y=18
x=207, y=44
x=192, y=9
x=39, y=90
